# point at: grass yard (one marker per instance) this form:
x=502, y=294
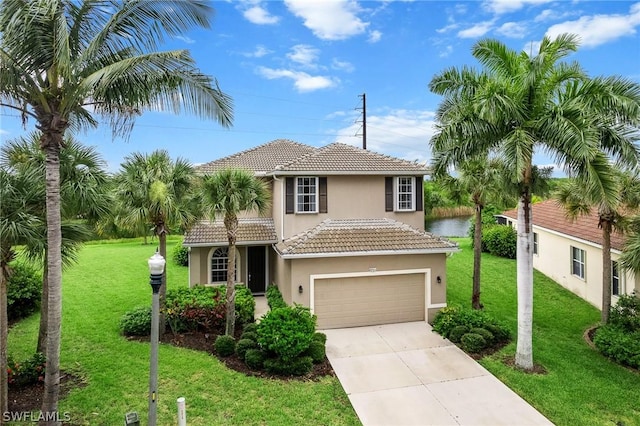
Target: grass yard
x=581, y=386
x=112, y=278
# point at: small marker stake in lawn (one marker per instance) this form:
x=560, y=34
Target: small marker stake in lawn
x=182, y=412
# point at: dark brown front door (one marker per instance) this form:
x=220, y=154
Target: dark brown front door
x=256, y=269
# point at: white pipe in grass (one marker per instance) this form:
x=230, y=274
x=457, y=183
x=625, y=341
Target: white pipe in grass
x=182, y=412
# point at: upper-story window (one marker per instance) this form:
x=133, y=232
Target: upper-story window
x=307, y=195
x=403, y=194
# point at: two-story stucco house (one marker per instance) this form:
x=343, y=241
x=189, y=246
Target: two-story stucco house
x=570, y=252
x=345, y=235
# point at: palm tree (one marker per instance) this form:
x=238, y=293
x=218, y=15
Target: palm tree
x=154, y=191
x=63, y=63
x=227, y=193
x=578, y=200
x=519, y=103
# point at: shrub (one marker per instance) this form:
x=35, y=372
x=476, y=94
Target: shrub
x=196, y=308
x=245, y=305
x=626, y=312
x=320, y=337
x=181, y=255
x=618, y=344
x=450, y=317
x=225, y=345
x=500, y=333
x=488, y=336
x=287, y=332
x=244, y=345
x=254, y=358
x=457, y=332
x=24, y=289
x=500, y=240
x=250, y=328
x=295, y=367
x=472, y=342
x=29, y=372
x=250, y=335
x=274, y=297
x=136, y=322
x=317, y=351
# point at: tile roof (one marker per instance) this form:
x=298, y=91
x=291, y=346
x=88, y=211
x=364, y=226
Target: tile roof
x=260, y=159
x=250, y=230
x=551, y=215
x=366, y=236
x=342, y=158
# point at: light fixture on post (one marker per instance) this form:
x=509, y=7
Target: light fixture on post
x=156, y=269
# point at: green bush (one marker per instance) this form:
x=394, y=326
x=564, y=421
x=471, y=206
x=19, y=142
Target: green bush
x=254, y=358
x=473, y=343
x=626, y=312
x=136, y=322
x=320, y=337
x=250, y=328
x=245, y=305
x=457, y=332
x=29, y=372
x=452, y=316
x=500, y=240
x=244, y=345
x=295, y=367
x=287, y=332
x=274, y=297
x=488, y=336
x=618, y=344
x=225, y=345
x=181, y=255
x=500, y=334
x=250, y=335
x=317, y=351
x=24, y=290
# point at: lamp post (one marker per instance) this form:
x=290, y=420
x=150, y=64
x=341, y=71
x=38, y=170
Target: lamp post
x=156, y=269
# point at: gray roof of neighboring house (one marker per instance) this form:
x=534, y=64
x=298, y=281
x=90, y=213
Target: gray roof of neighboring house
x=285, y=157
x=362, y=236
x=250, y=231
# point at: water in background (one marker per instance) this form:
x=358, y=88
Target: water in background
x=449, y=226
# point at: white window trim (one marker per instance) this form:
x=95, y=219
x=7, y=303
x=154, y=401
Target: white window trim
x=396, y=194
x=583, y=262
x=209, y=272
x=536, y=243
x=621, y=279
x=317, y=184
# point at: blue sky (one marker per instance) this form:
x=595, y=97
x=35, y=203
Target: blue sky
x=296, y=69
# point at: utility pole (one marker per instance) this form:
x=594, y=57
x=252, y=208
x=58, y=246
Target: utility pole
x=364, y=119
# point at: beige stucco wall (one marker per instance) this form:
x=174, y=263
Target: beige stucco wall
x=199, y=261
x=554, y=260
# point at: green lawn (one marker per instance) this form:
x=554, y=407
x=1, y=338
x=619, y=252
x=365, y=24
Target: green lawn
x=111, y=279
x=581, y=386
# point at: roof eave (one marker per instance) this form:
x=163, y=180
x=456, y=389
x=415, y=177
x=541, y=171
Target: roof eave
x=226, y=243
x=368, y=253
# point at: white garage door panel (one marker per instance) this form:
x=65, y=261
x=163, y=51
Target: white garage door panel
x=359, y=301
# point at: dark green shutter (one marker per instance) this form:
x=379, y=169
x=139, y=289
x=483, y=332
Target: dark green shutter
x=290, y=191
x=419, y=194
x=323, y=194
x=388, y=194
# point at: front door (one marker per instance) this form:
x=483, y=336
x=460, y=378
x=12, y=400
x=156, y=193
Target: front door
x=256, y=269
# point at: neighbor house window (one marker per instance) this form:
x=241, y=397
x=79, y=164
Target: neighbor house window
x=616, y=279
x=578, y=257
x=307, y=195
x=405, y=194
x=535, y=243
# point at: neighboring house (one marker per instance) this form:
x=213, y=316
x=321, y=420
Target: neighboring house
x=345, y=235
x=570, y=252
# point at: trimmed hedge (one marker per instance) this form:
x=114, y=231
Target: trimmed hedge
x=500, y=240
x=181, y=255
x=24, y=290
x=287, y=332
x=274, y=297
x=619, y=339
x=294, y=367
x=452, y=316
x=225, y=345
x=136, y=322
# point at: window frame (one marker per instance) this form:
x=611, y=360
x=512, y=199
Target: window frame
x=316, y=195
x=581, y=263
x=226, y=265
x=398, y=180
x=536, y=243
x=616, y=273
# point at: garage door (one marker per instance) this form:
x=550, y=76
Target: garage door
x=370, y=300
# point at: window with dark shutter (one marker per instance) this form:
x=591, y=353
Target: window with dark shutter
x=388, y=194
x=419, y=194
x=289, y=196
x=323, y=194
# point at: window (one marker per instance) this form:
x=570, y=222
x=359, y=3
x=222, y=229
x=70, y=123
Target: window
x=306, y=194
x=535, y=243
x=578, y=257
x=616, y=280
x=219, y=263
x=404, y=194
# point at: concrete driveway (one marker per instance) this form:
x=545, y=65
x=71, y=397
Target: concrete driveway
x=406, y=374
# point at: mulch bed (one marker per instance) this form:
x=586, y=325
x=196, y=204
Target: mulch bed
x=29, y=397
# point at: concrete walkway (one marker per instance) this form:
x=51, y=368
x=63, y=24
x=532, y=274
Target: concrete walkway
x=406, y=374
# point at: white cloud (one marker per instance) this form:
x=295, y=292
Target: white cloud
x=185, y=39
x=304, y=55
x=259, y=52
x=331, y=20
x=401, y=133
x=599, y=29
x=3, y=132
x=531, y=48
x=302, y=81
x=478, y=30
x=447, y=28
x=506, y=6
x=374, y=36
x=512, y=29
x=337, y=64
x=448, y=50
x=259, y=15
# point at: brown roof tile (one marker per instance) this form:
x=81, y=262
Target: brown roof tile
x=551, y=215
x=250, y=230
x=369, y=236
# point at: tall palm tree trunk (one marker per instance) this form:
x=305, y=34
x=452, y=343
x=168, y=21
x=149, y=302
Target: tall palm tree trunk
x=606, y=270
x=231, y=223
x=44, y=310
x=54, y=266
x=477, y=253
x=524, y=264
x=4, y=334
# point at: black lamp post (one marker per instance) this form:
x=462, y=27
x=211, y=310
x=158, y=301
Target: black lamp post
x=156, y=269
